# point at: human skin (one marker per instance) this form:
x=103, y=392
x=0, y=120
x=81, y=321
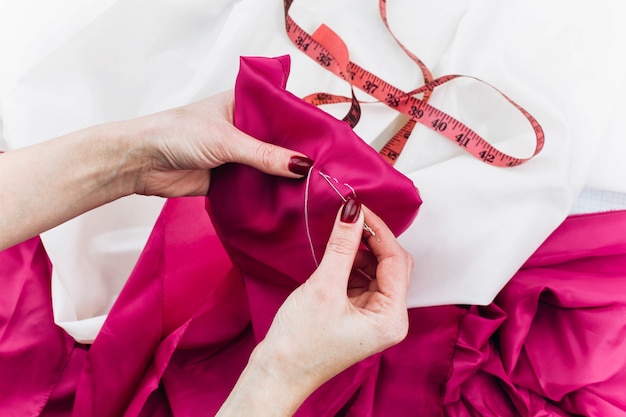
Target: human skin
x=353, y=305
x=168, y=154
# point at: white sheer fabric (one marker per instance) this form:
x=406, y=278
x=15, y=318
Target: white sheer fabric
x=74, y=64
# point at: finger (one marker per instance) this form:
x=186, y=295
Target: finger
x=342, y=246
x=383, y=242
x=394, y=262
x=271, y=159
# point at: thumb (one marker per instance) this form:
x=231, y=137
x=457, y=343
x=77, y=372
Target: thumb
x=342, y=246
x=271, y=159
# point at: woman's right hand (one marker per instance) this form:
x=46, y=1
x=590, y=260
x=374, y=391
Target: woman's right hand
x=353, y=306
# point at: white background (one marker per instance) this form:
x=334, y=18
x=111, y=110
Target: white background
x=67, y=64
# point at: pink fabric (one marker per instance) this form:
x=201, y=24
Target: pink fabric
x=259, y=216
x=554, y=340
x=181, y=331
x=182, y=271
x=551, y=344
x=33, y=351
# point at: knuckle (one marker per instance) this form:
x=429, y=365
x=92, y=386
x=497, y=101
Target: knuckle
x=266, y=155
x=341, y=245
x=224, y=152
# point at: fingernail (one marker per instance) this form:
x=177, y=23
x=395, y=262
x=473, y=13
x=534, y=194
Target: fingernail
x=350, y=211
x=300, y=165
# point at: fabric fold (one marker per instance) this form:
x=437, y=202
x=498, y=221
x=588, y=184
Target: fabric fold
x=33, y=351
x=258, y=216
x=204, y=292
x=556, y=333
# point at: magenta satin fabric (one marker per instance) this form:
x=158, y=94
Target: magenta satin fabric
x=262, y=219
x=552, y=343
x=33, y=351
x=554, y=340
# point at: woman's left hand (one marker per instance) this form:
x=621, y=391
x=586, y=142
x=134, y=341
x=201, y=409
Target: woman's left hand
x=169, y=154
x=181, y=145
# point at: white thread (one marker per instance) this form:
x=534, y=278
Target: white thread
x=306, y=216
x=306, y=208
x=351, y=189
x=328, y=178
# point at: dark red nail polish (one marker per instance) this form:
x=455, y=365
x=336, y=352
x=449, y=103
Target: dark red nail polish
x=350, y=211
x=300, y=165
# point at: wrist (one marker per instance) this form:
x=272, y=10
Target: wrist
x=268, y=387
x=123, y=157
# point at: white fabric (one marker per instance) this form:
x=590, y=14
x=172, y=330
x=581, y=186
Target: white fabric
x=75, y=63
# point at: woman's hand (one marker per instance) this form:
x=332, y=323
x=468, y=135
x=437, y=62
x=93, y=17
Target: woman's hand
x=181, y=145
x=169, y=154
x=353, y=306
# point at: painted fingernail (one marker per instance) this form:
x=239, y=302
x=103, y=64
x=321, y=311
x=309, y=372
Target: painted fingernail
x=350, y=211
x=300, y=165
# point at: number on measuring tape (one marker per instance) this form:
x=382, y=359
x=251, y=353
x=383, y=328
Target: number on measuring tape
x=416, y=113
x=330, y=52
x=462, y=139
x=487, y=157
x=439, y=125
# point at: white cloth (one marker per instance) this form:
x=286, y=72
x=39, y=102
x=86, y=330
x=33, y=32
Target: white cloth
x=88, y=62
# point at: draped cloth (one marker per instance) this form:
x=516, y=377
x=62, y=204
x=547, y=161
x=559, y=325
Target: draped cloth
x=197, y=303
x=552, y=343
x=67, y=68
x=276, y=229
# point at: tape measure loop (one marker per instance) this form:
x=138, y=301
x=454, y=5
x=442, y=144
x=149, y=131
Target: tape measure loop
x=329, y=50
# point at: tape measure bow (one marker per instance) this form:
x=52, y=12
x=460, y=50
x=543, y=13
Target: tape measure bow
x=329, y=50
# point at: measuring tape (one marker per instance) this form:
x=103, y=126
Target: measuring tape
x=329, y=50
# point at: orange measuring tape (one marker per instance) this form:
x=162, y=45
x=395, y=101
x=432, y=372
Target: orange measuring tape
x=329, y=50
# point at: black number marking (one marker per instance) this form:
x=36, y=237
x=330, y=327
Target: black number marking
x=300, y=42
x=416, y=113
x=324, y=59
x=392, y=101
x=369, y=87
x=462, y=140
x=486, y=156
x=439, y=125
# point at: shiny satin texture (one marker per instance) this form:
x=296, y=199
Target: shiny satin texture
x=552, y=343
x=264, y=221
x=65, y=83
x=33, y=351
x=554, y=340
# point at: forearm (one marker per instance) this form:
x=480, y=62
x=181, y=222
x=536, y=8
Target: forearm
x=47, y=184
